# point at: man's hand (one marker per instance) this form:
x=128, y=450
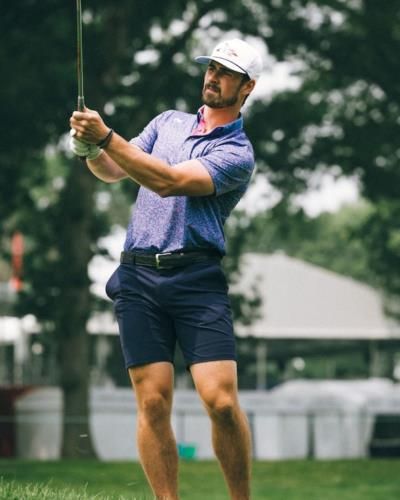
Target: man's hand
x=83, y=149
x=89, y=126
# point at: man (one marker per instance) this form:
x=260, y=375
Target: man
x=170, y=288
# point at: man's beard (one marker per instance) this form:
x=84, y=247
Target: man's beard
x=216, y=101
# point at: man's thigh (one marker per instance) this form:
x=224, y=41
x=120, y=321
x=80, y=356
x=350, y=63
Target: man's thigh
x=201, y=311
x=146, y=330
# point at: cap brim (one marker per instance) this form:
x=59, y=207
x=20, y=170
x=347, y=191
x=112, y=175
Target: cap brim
x=220, y=60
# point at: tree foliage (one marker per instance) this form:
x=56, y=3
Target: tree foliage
x=344, y=115
x=334, y=241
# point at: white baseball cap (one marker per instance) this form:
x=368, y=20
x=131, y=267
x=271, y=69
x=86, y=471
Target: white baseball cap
x=236, y=55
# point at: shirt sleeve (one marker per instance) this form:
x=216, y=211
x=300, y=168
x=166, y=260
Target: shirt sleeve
x=229, y=165
x=146, y=139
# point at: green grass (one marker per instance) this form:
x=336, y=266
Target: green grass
x=290, y=480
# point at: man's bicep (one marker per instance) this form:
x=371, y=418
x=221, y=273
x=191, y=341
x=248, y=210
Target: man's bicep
x=230, y=167
x=193, y=179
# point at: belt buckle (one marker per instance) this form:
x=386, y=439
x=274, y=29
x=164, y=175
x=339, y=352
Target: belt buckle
x=159, y=263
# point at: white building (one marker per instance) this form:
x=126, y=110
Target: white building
x=301, y=300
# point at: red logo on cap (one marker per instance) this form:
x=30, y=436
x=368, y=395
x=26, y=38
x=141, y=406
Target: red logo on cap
x=227, y=50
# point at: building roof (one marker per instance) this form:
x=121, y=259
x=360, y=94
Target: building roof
x=301, y=300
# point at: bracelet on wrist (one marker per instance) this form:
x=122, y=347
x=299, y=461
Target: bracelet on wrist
x=106, y=141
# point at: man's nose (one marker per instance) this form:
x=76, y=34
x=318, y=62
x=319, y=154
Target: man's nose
x=214, y=77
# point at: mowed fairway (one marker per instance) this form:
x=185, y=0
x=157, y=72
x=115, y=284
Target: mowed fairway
x=292, y=480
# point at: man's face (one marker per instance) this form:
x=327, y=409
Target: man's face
x=222, y=86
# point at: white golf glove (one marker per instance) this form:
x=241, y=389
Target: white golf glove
x=83, y=149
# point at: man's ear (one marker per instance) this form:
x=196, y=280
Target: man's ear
x=249, y=86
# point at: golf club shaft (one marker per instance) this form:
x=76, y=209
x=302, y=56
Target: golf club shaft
x=81, y=99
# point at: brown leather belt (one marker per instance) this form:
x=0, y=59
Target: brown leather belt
x=168, y=260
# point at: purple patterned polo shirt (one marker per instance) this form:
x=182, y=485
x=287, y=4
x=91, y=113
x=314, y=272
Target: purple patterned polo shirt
x=190, y=222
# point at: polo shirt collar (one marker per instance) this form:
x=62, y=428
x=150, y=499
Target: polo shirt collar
x=223, y=129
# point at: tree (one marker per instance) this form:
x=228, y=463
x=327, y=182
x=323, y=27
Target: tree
x=344, y=115
x=335, y=241
x=381, y=234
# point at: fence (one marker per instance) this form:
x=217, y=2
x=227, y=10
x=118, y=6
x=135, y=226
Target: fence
x=282, y=427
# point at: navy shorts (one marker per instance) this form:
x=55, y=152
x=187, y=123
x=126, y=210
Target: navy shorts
x=156, y=309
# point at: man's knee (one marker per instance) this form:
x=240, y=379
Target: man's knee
x=222, y=407
x=154, y=408
x=153, y=385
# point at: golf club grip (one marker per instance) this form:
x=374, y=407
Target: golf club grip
x=81, y=103
x=81, y=107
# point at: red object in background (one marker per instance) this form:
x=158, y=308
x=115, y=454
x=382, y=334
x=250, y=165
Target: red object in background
x=17, y=256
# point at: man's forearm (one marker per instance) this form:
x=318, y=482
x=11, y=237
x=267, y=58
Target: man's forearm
x=105, y=169
x=120, y=160
x=143, y=168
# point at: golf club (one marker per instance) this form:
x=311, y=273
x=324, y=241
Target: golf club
x=81, y=99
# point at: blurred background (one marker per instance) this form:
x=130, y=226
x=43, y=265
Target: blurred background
x=313, y=248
